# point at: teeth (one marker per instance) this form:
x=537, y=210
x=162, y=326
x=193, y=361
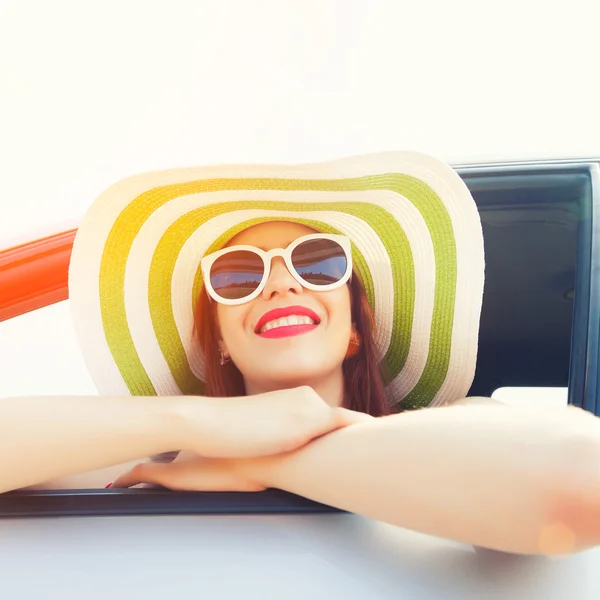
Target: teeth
x=285, y=321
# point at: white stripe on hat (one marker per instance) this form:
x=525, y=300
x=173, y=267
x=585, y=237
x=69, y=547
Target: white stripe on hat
x=197, y=245
x=137, y=279
x=470, y=276
x=89, y=244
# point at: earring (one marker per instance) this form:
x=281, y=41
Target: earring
x=353, y=345
x=223, y=359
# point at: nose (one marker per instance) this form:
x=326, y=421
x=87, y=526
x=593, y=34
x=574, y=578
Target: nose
x=281, y=281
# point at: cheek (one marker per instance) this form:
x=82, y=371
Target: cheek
x=230, y=321
x=340, y=312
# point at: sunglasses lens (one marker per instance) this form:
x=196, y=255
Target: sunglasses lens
x=237, y=274
x=320, y=261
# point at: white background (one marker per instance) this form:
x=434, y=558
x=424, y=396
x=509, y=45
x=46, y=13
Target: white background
x=94, y=91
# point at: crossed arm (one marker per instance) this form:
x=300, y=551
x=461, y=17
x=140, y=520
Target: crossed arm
x=516, y=480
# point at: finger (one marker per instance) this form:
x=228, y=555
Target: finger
x=169, y=475
x=155, y=472
x=142, y=473
x=204, y=475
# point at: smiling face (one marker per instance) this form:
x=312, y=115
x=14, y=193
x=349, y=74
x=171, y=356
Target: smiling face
x=307, y=346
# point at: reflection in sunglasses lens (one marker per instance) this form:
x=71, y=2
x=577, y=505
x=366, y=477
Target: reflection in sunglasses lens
x=320, y=262
x=237, y=274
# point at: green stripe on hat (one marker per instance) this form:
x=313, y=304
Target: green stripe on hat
x=422, y=196
x=163, y=264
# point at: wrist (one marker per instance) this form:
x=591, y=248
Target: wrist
x=180, y=422
x=162, y=422
x=193, y=423
x=260, y=471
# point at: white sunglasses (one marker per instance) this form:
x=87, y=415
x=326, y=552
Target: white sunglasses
x=238, y=274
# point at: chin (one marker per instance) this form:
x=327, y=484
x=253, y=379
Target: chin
x=298, y=374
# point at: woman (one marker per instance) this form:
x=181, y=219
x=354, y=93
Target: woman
x=275, y=325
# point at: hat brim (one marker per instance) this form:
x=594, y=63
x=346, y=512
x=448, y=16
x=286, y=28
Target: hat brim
x=417, y=246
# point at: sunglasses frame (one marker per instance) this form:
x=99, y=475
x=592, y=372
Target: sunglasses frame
x=267, y=256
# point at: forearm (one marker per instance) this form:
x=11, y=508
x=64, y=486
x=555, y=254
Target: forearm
x=487, y=476
x=45, y=438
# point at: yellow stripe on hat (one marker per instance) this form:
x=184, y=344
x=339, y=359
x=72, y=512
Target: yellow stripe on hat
x=128, y=224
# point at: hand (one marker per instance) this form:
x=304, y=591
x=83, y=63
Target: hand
x=263, y=424
x=191, y=472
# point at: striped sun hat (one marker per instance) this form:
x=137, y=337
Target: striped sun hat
x=417, y=247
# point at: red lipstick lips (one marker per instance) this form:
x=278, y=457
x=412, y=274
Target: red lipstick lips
x=288, y=330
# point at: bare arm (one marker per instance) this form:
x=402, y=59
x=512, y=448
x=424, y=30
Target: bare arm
x=517, y=480
x=44, y=441
x=50, y=438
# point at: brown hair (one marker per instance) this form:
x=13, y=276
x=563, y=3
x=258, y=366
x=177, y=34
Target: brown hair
x=363, y=379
